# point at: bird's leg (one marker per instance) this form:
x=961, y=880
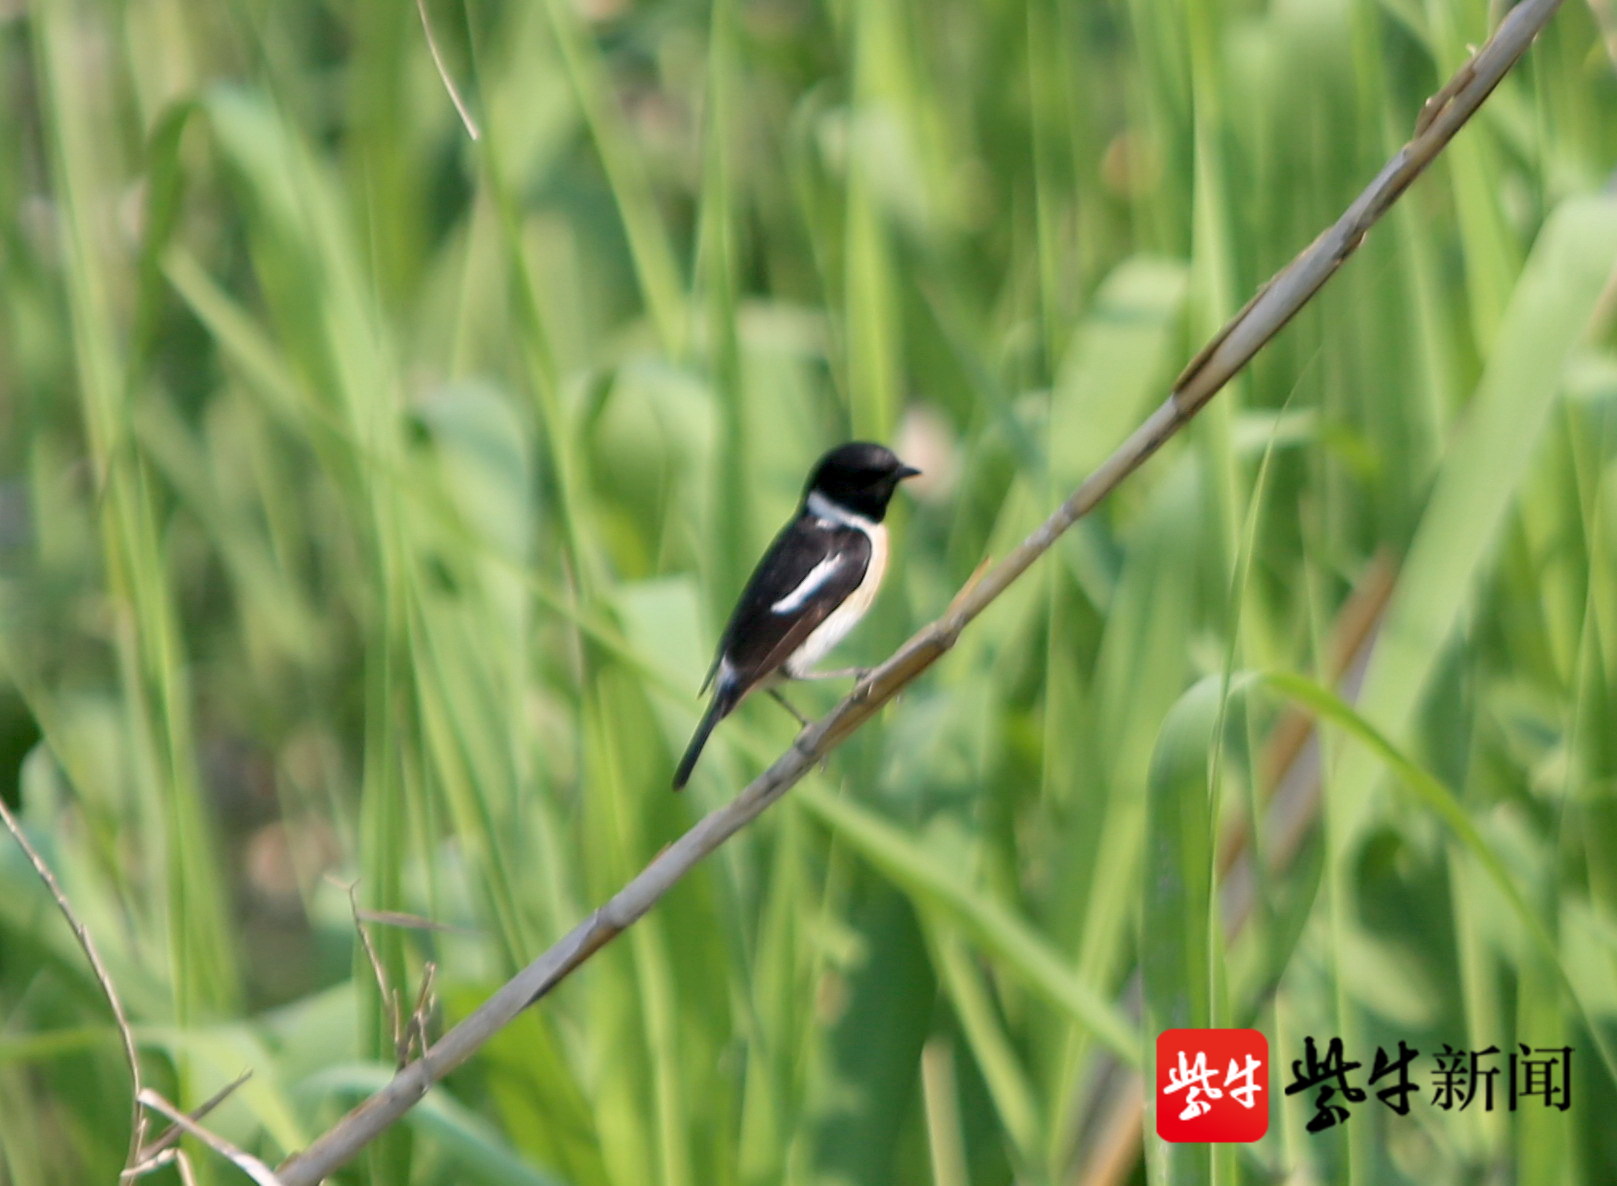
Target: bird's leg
x=787, y=705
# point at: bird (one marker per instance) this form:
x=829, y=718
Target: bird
x=811, y=587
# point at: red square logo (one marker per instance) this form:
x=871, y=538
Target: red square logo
x=1212, y=1085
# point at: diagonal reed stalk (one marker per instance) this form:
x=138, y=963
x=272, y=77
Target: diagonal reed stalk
x=1230, y=350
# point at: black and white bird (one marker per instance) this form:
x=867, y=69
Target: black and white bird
x=813, y=584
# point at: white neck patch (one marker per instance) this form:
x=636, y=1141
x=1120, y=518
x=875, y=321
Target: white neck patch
x=822, y=507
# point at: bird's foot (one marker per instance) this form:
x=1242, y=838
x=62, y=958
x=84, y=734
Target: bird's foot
x=857, y=674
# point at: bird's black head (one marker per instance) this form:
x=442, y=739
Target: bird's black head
x=859, y=477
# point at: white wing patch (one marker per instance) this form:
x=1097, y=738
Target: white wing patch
x=810, y=585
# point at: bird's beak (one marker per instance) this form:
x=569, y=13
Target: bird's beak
x=908, y=471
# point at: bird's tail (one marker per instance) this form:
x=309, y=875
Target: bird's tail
x=716, y=712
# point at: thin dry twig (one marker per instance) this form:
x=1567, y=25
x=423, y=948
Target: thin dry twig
x=390, y=999
x=415, y=1033
x=137, y=1124
x=1253, y=327
x=167, y=1157
x=411, y=922
x=466, y=119
x=245, y=1162
x=408, y=1034
x=173, y=1132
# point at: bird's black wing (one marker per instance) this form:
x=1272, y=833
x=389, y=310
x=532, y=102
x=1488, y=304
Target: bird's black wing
x=760, y=636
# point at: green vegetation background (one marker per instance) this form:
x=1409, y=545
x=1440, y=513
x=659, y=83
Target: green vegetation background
x=370, y=500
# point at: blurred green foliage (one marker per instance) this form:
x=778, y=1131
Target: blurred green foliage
x=370, y=500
